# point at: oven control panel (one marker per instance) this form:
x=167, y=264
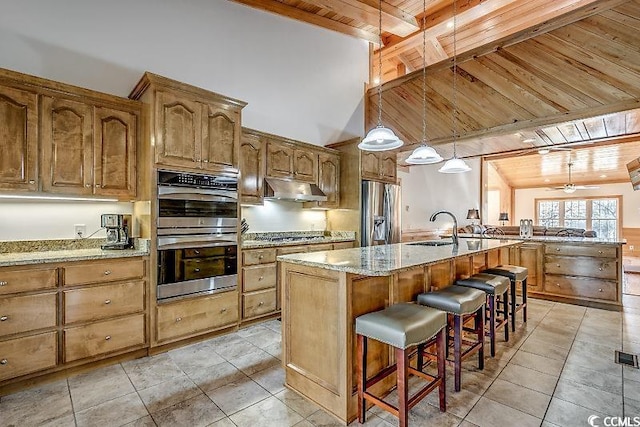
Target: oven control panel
x=225, y=182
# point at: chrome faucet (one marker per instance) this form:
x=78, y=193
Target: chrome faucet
x=455, y=224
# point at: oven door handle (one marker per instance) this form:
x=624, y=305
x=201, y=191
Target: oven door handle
x=194, y=241
x=182, y=193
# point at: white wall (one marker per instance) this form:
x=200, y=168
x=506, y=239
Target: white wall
x=279, y=215
x=425, y=191
x=23, y=220
x=525, y=201
x=301, y=81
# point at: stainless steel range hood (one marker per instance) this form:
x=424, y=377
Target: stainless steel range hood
x=298, y=191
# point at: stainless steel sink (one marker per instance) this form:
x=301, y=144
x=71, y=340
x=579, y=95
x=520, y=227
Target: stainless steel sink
x=432, y=243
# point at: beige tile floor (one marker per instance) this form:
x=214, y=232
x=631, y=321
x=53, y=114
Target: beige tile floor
x=557, y=370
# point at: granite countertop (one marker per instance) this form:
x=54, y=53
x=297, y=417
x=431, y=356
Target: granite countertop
x=42, y=252
x=263, y=240
x=550, y=239
x=253, y=244
x=384, y=260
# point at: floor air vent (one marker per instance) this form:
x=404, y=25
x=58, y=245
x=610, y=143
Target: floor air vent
x=627, y=359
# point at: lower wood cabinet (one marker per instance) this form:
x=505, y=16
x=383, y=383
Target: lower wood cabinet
x=258, y=303
x=27, y=313
x=189, y=317
x=21, y=356
x=101, y=302
x=103, y=337
x=580, y=287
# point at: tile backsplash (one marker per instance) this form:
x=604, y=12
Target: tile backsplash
x=279, y=215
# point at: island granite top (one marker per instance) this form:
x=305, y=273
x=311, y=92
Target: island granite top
x=385, y=260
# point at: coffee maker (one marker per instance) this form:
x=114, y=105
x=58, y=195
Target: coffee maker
x=118, y=231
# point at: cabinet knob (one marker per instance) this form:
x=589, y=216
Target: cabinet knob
x=600, y=268
x=31, y=181
x=558, y=284
x=197, y=270
x=4, y=318
x=4, y=362
x=205, y=161
x=178, y=319
x=557, y=265
x=98, y=185
x=88, y=185
x=260, y=303
x=107, y=338
x=223, y=310
x=600, y=290
x=600, y=252
x=197, y=252
x=3, y=283
x=558, y=249
x=261, y=277
x=107, y=301
x=260, y=256
x=107, y=272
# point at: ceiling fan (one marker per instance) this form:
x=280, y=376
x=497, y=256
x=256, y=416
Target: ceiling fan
x=542, y=150
x=570, y=187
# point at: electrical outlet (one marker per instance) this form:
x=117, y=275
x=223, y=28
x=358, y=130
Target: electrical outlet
x=631, y=247
x=79, y=230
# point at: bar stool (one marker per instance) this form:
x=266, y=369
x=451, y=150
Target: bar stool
x=460, y=302
x=515, y=273
x=494, y=287
x=402, y=326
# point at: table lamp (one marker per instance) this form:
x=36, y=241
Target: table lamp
x=504, y=216
x=473, y=214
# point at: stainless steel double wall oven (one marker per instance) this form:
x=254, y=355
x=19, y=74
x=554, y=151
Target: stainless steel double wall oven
x=197, y=233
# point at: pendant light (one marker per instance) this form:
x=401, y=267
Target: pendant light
x=380, y=138
x=570, y=187
x=424, y=155
x=454, y=165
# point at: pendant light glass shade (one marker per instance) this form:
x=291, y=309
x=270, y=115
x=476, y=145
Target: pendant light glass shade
x=424, y=155
x=454, y=165
x=380, y=138
x=569, y=188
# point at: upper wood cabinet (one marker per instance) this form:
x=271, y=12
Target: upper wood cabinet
x=251, y=168
x=193, y=129
x=18, y=139
x=87, y=140
x=279, y=159
x=379, y=166
x=329, y=179
x=305, y=165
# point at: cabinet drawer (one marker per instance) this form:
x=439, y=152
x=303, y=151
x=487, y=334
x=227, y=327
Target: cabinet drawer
x=258, y=277
x=581, y=287
x=318, y=248
x=258, y=256
x=257, y=303
x=343, y=245
x=103, y=271
x=103, y=337
x=27, y=313
x=194, y=315
x=100, y=302
x=286, y=250
x=22, y=356
x=581, y=266
x=601, y=251
x=12, y=281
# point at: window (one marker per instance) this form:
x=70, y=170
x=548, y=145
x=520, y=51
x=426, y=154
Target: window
x=601, y=215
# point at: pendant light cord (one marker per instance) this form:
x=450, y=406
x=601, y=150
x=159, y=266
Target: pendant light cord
x=424, y=71
x=380, y=65
x=454, y=121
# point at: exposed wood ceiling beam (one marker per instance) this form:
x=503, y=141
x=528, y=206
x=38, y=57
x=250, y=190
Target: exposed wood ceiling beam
x=300, y=15
x=394, y=20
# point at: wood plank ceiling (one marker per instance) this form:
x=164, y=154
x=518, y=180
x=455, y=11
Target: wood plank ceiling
x=581, y=70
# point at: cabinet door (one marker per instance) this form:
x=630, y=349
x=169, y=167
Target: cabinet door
x=18, y=139
x=251, y=169
x=370, y=165
x=115, y=153
x=531, y=259
x=329, y=179
x=220, y=138
x=388, y=168
x=178, y=131
x=305, y=165
x=279, y=160
x=67, y=146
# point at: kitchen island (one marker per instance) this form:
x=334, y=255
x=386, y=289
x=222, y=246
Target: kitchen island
x=323, y=292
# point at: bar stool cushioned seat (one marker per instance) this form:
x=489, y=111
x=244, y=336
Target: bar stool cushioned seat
x=494, y=286
x=402, y=326
x=460, y=301
x=454, y=299
x=515, y=273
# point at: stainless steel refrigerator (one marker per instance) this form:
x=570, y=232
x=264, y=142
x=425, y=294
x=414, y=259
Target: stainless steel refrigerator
x=380, y=221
